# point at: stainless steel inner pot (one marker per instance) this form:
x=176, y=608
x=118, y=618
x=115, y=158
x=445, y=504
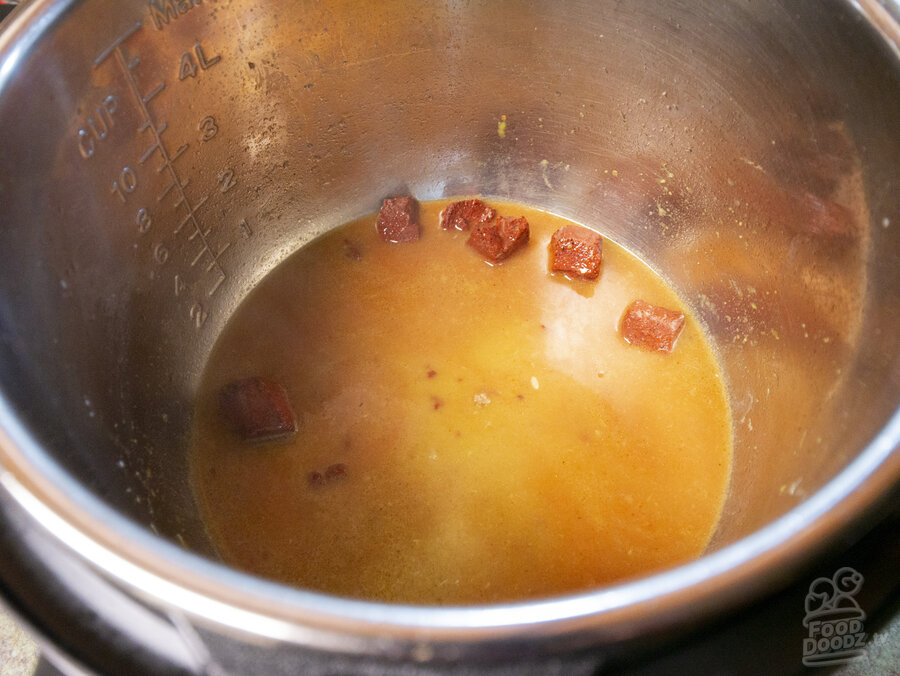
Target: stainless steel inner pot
x=158, y=158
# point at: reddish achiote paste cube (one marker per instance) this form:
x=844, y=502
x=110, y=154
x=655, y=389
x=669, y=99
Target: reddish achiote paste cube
x=334, y=472
x=257, y=409
x=576, y=251
x=398, y=220
x=466, y=214
x=498, y=239
x=651, y=327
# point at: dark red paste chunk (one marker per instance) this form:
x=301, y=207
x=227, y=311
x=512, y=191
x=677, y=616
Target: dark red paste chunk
x=576, y=251
x=651, y=326
x=498, y=239
x=463, y=215
x=334, y=472
x=398, y=220
x=257, y=409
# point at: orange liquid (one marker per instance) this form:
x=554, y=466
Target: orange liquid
x=502, y=441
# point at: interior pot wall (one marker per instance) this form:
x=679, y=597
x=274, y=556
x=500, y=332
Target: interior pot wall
x=745, y=150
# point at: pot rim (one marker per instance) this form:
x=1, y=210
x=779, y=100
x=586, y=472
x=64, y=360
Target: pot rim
x=158, y=570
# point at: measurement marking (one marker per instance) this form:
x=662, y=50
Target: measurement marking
x=148, y=153
x=118, y=41
x=216, y=257
x=182, y=198
x=165, y=192
x=179, y=152
x=177, y=182
x=200, y=255
x=194, y=234
x=200, y=203
x=191, y=213
x=205, y=63
x=156, y=90
x=167, y=164
x=216, y=285
x=146, y=125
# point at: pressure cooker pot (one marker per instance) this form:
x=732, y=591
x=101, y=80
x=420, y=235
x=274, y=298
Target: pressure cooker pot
x=159, y=158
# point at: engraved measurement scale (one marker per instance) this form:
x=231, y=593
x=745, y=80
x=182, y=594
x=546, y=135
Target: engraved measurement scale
x=188, y=224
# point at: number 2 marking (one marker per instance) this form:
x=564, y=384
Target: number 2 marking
x=226, y=180
x=198, y=315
